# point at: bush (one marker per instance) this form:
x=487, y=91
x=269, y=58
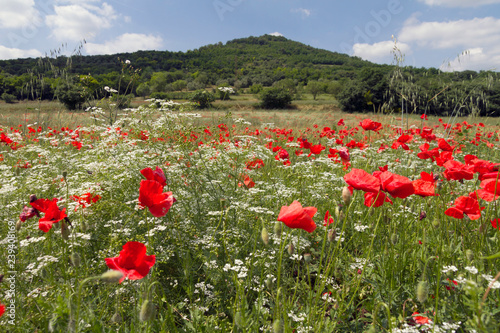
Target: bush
x=122, y=101
x=352, y=97
x=256, y=89
x=71, y=95
x=8, y=98
x=202, y=98
x=275, y=98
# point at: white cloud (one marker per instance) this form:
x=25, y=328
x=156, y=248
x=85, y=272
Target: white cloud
x=459, y=3
x=381, y=52
x=128, y=42
x=461, y=33
x=304, y=12
x=277, y=34
x=80, y=20
x=11, y=53
x=475, y=59
x=18, y=14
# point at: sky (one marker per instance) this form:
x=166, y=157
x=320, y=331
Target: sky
x=452, y=35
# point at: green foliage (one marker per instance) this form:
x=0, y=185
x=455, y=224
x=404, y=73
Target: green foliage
x=202, y=98
x=143, y=89
x=352, y=97
x=315, y=88
x=8, y=98
x=275, y=98
x=255, y=89
x=71, y=94
x=122, y=101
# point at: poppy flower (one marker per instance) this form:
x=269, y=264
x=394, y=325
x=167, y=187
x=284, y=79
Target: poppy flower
x=2, y=309
x=247, y=182
x=52, y=213
x=151, y=195
x=297, y=217
x=421, y=320
x=316, y=149
x=445, y=146
x=282, y=155
x=458, y=171
x=396, y=185
x=27, y=213
x=376, y=199
x=425, y=153
x=495, y=223
x=490, y=189
x=255, y=164
x=425, y=186
x=370, y=125
x=401, y=142
x=359, y=179
x=156, y=174
x=132, y=261
x=328, y=219
x=465, y=205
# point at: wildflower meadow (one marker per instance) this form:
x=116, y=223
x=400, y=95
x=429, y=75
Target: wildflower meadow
x=163, y=222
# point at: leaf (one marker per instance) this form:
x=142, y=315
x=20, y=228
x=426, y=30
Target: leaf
x=494, y=256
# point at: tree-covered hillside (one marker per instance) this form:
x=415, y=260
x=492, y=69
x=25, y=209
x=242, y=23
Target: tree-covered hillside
x=254, y=63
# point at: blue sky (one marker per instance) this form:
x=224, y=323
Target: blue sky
x=447, y=34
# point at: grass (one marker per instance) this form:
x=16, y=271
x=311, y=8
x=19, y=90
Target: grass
x=223, y=262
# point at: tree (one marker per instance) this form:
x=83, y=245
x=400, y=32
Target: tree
x=275, y=98
x=8, y=98
x=352, y=97
x=72, y=95
x=314, y=88
x=202, y=98
x=143, y=90
x=179, y=85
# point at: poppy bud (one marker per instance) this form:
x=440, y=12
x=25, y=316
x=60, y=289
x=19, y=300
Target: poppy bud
x=331, y=235
x=346, y=195
x=112, y=276
x=277, y=326
x=422, y=216
x=147, y=311
x=17, y=171
x=64, y=230
x=33, y=198
x=64, y=174
x=394, y=238
x=291, y=248
x=307, y=258
x=19, y=223
x=117, y=318
x=341, y=215
x=265, y=236
x=278, y=227
x=75, y=259
x=238, y=320
x=469, y=254
x=422, y=291
x=84, y=226
x=435, y=223
x=269, y=283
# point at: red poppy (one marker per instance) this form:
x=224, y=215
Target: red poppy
x=316, y=149
x=247, y=182
x=421, y=320
x=4, y=138
x=426, y=153
x=458, y=171
x=282, y=155
x=297, y=217
x=376, y=199
x=85, y=199
x=425, y=186
x=495, y=223
x=396, y=185
x=2, y=309
x=370, y=125
x=490, y=189
x=359, y=179
x=151, y=195
x=27, y=213
x=132, y=261
x=445, y=146
x=255, y=164
x=424, y=117
x=328, y=219
x=52, y=213
x=465, y=205
x=157, y=175
x=401, y=142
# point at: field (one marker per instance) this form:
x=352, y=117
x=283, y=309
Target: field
x=163, y=218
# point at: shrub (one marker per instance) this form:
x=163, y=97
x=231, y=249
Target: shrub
x=71, y=95
x=160, y=95
x=202, y=98
x=256, y=88
x=8, y=98
x=275, y=98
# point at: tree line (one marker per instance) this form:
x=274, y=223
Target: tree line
x=252, y=65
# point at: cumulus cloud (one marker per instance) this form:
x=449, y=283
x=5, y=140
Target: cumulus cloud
x=461, y=33
x=304, y=12
x=13, y=53
x=128, y=42
x=18, y=14
x=459, y=3
x=277, y=34
x=475, y=59
x=381, y=52
x=79, y=20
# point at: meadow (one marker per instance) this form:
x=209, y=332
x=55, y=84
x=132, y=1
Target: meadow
x=163, y=218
